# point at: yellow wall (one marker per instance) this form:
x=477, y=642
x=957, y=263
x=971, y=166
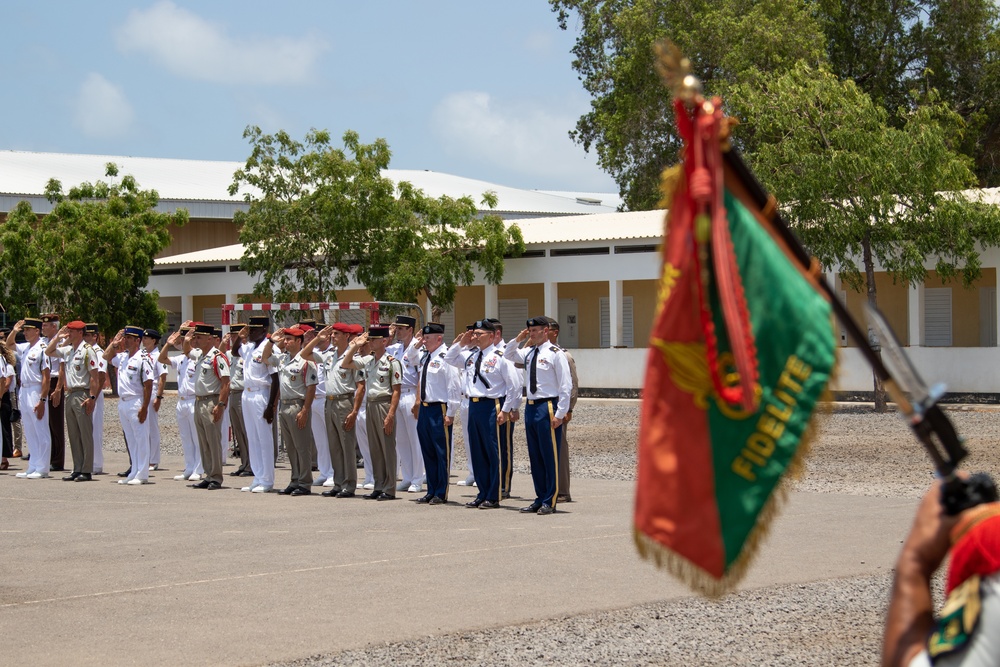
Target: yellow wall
x=965, y=312
x=644, y=294
x=199, y=303
x=470, y=305
x=533, y=292
x=588, y=308
x=892, y=301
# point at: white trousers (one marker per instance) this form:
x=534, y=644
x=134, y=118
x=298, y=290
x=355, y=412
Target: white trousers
x=99, y=433
x=318, y=422
x=411, y=460
x=36, y=431
x=136, y=436
x=260, y=438
x=463, y=413
x=189, y=437
x=361, y=431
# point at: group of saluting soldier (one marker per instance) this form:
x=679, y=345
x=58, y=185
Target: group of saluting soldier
x=384, y=399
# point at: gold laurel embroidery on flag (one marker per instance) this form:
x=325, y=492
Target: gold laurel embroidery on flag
x=688, y=368
x=668, y=280
x=669, y=180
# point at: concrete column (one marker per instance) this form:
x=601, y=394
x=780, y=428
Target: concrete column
x=551, y=292
x=915, y=315
x=187, y=307
x=230, y=298
x=615, y=312
x=492, y=301
x=428, y=306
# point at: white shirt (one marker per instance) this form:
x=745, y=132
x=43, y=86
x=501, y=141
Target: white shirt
x=443, y=381
x=185, y=375
x=133, y=372
x=33, y=362
x=551, y=373
x=256, y=373
x=496, y=379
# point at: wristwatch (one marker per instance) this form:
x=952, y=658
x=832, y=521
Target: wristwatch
x=93, y=398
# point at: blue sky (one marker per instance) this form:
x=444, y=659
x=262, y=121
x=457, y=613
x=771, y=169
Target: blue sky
x=478, y=89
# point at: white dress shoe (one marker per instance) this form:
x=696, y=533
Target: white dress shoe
x=37, y=475
x=260, y=489
x=320, y=481
x=247, y=488
x=414, y=488
x=468, y=481
x=23, y=475
x=330, y=482
x=369, y=485
x=402, y=486
x=180, y=477
x=123, y=481
x=194, y=478
x=153, y=467
x=135, y=481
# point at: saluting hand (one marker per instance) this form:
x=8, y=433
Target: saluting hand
x=521, y=337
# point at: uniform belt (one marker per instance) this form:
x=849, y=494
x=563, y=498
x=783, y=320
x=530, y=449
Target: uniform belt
x=255, y=388
x=532, y=401
x=476, y=399
x=409, y=388
x=339, y=396
x=293, y=401
x=184, y=398
x=73, y=390
x=427, y=404
x=382, y=399
x=30, y=385
x=206, y=398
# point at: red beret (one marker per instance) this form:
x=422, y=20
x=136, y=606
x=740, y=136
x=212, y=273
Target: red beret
x=293, y=331
x=79, y=325
x=343, y=328
x=356, y=329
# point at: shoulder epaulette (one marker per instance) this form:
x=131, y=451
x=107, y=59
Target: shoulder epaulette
x=498, y=352
x=440, y=354
x=556, y=348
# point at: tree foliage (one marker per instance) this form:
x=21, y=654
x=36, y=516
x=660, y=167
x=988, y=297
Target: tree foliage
x=320, y=216
x=90, y=258
x=630, y=122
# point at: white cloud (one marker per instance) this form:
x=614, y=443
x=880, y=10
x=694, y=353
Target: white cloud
x=102, y=110
x=523, y=137
x=191, y=47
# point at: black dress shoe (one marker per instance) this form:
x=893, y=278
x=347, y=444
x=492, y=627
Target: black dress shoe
x=489, y=505
x=436, y=501
x=246, y=472
x=426, y=499
x=374, y=495
x=332, y=493
x=203, y=484
x=126, y=473
x=214, y=486
x=236, y=473
x=287, y=491
x=533, y=507
x=474, y=503
x=71, y=477
x=84, y=477
x=564, y=498
x=386, y=496
x=505, y=495
x=345, y=494
x=546, y=509
x=300, y=491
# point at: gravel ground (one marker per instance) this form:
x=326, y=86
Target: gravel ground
x=854, y=451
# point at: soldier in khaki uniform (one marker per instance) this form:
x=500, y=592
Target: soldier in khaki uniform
x=231, y=345
x=383, y=375
x=82, y=385
x=211, y=390
x=344, y=393
x=297, y=378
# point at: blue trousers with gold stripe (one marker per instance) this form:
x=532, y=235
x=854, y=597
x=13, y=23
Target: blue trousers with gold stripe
x=435, y=445
x=485, y=447
x=544, y=443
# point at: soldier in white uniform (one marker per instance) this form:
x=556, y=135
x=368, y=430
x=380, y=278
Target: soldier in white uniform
x=344, y=392
x=507, y=428
x=440, y=393
x=564, y=495
x=463, y=416
x=298, y=390
x=135, y=397
x=82, y=385
x=185, y=367
x=150, y=343
x=383, y=375
x=411, y=461
x=34, y=381
x=260, y=394
x=491, y=384
x=549, y=387
x=57, y=383
x=90, y=333
x=323, y=463
x=211, y=391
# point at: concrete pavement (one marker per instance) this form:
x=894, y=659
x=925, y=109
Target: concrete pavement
x=101, y=573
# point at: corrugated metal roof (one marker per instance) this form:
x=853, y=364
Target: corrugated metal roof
x=26, y=173
x=536, y=231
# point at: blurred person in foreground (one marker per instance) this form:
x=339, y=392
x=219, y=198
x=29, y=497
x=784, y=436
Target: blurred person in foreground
x=967, y=630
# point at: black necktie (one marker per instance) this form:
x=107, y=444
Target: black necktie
x=423, y=377
x=478, y=375
x=533, y=373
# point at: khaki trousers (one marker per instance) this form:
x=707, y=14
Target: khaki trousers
x=343, y=444
x=382, y=447
x=209, y=437
x=298, y=442
x=81, y=432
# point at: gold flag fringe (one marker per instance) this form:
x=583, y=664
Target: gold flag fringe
x=698, y=579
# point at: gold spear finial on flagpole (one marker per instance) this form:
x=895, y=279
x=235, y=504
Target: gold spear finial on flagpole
x=675, y=70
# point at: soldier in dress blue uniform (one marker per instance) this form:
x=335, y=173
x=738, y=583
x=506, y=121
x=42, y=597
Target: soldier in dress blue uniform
x=549, y=388
x=439, y=392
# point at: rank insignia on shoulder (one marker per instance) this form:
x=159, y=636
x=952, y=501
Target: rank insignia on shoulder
x=958, y=620
x=556, y=348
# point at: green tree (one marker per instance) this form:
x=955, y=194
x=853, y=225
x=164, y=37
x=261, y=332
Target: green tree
x=319, y=216
x=630, y=122
x=91, y=256
x=855, y=186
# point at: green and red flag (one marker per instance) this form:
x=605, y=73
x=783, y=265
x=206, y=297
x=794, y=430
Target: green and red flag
x=742, y=349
